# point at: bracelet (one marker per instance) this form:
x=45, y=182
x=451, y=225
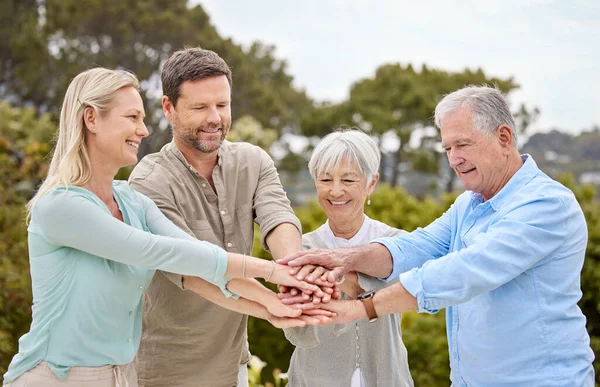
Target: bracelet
x=244, y=266
x=272, y=271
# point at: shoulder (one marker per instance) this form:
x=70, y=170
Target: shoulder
x=312, y=240
x=129, y=195
x=244, y=152
x=542, y=191
x=154, y=166
x=61, y=200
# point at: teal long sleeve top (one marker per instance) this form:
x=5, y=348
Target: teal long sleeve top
x=88, y=273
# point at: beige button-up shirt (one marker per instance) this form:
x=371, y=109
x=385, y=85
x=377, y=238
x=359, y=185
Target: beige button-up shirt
x=187, y=340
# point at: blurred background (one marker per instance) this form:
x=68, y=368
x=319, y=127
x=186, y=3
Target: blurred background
x=300, y=70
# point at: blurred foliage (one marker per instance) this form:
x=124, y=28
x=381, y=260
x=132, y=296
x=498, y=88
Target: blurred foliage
x=399, y=99
x=248, y=129
x=65, y=37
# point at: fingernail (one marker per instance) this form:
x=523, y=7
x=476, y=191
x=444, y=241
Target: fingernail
x=310, y=278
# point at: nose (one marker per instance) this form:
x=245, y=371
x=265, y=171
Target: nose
x=454, y=158
x=337, y=189
x=142, y=130
x=213, y=116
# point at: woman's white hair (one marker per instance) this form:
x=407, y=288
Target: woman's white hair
x=488, y=107
x=70, y=163
x=352, y=146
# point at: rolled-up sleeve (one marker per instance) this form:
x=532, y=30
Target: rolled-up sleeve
x=515, y=243
x=271, y=205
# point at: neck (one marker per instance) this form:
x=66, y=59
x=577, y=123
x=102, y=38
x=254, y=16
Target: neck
x=513, y=164
x=201, y=161
x=347, y=230
x=103, y=174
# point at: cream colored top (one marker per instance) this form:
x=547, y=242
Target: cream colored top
x=330, y=355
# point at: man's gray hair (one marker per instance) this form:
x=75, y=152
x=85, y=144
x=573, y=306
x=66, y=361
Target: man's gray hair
x=348, y=145
x=487, y=105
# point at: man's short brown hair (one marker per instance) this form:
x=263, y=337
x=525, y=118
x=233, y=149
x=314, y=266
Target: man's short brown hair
x=190, y=64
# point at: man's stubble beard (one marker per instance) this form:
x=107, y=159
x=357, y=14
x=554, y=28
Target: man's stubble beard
x=196, y=143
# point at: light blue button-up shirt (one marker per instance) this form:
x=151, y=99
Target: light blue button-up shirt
x=88, y=273
x=508, y=272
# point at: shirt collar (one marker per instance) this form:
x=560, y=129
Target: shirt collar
x=518, y=180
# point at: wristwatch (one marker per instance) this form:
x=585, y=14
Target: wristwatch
x=367, y=300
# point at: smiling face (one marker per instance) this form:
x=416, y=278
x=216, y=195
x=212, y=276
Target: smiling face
x=479, y=160
x=342, y=194
x=120, y=130
x=202, y=117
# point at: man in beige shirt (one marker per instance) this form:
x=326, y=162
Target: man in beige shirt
x=215, y=190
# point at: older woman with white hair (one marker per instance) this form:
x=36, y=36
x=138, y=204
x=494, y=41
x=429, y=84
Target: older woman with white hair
x=344, y=166
x=94, y=245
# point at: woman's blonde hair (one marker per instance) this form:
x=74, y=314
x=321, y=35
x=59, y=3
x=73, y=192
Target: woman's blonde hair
x=70, y=163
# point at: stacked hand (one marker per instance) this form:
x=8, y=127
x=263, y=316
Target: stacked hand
x=322, y=268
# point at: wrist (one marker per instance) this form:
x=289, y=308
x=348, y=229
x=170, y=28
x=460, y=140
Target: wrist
x=358, y=311
x=257, y=268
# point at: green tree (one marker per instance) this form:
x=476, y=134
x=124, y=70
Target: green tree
x=66, y=37
x=400, y=99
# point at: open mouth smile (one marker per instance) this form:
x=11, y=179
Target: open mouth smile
x=136, y=145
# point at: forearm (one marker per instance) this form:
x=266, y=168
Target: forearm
x=240, y=267
x=213, y=294
x=373, y=259
x=252, y=290
x=283, y=240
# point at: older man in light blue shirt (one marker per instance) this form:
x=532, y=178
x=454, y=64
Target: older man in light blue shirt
x=505, y=260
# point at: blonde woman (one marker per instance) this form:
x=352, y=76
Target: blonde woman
x=94, y=245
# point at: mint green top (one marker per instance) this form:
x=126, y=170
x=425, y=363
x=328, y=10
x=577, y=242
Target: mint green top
x=88, y=273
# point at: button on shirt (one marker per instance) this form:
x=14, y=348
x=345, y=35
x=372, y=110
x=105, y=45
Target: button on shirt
x=88, y=273
x=508, y=272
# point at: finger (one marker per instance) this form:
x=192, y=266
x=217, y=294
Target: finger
x=302, y=285
x=285, y=260
x=319, y=312
x=317, y=272
x=308, y=257
x=336, y=294
x=284, y=296
x=287, y=322
x=314, y=320
x=325, y=275
x=318, y=320
x=336, y=274
x=294, y=292
x=293, y=300
x=305, y=271
x=283, y=288
x=295, y=270
x=326, y=298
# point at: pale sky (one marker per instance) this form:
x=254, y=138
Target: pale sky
x=551, y=48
